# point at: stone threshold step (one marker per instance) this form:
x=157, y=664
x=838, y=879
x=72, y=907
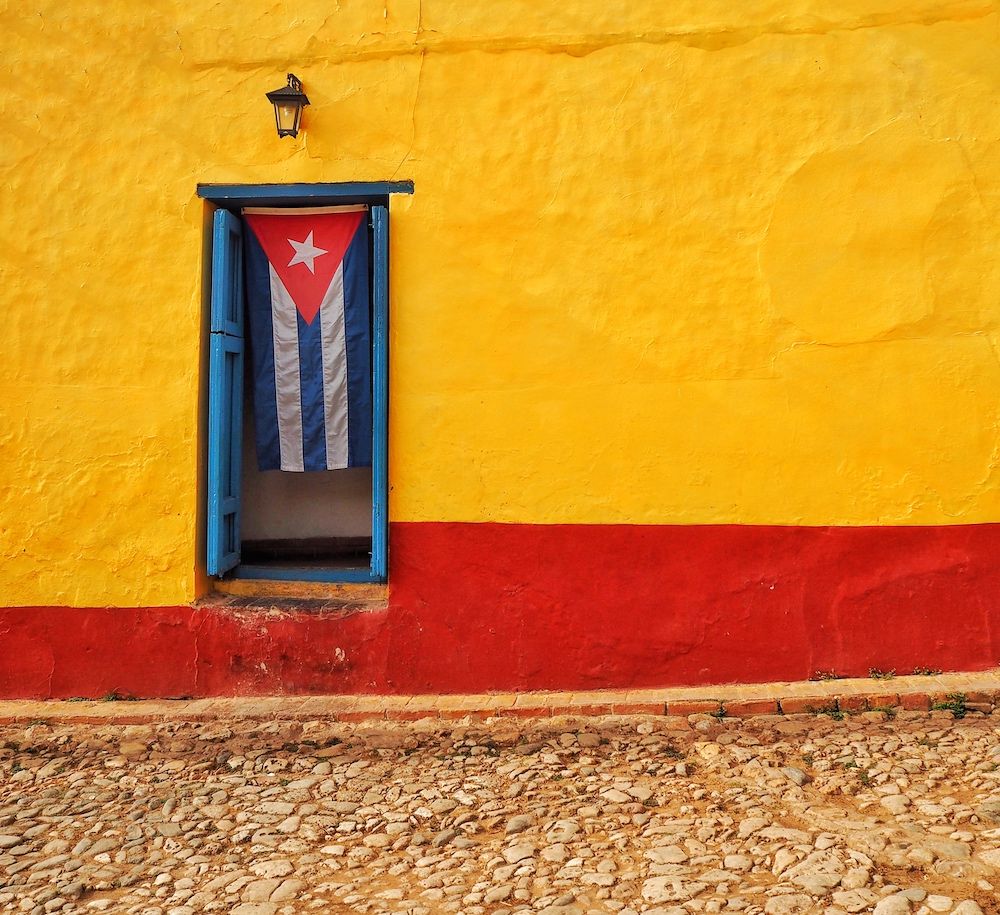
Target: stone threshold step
x=960, y=693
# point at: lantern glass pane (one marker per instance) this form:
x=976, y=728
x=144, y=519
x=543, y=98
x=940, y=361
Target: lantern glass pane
x=286, y=114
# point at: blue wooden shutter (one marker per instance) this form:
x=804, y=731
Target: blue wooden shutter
x=225, y=394
x=380, y=392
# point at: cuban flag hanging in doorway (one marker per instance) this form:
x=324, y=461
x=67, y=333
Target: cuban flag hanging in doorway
x=310, y=337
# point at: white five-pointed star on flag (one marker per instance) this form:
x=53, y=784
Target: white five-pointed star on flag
x=306, y=253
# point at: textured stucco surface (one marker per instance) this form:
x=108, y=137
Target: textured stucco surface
x=482, y=607
x=672, y=263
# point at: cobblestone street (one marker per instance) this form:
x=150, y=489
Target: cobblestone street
x=560, y=816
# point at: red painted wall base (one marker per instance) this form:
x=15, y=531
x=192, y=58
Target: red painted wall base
x=486, y=607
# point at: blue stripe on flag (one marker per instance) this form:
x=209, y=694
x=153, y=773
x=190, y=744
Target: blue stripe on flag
x=265, y=398
x=311, y=390
x=357, y=326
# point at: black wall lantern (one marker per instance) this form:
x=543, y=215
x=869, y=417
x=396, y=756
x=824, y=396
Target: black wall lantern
x=288, y=103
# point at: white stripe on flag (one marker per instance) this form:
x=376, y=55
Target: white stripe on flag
x=285, y=330
x=331, y=319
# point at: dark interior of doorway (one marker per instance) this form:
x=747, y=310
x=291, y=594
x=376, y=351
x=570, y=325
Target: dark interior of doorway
x=319, y=552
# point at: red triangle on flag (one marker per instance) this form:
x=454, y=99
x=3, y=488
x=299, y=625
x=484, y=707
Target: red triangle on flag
x=305, y=250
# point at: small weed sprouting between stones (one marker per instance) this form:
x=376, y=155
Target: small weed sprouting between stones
x=889, y=711
x=863, y=775
x=115, y=696
x=832, y=710
x=671, y=752
x=954, y=703
x=925, y=671
x=877, y=674
x=849, y=765
x=826, y=675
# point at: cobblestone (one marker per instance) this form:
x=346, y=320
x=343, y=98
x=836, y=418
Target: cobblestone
x=562, y=816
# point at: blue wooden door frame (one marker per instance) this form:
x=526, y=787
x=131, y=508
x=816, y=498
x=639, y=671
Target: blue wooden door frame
x=375, y=194
x=225, y=403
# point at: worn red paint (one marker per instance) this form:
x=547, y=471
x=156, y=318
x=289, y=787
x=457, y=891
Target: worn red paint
x=480, y=607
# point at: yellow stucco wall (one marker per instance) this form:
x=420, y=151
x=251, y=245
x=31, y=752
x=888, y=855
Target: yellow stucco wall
x=684, y=262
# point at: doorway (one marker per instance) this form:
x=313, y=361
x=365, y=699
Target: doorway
x=328, y=525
